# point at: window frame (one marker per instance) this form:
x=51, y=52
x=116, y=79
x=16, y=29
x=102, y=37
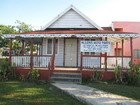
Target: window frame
x=136, y=53
x=52, y=47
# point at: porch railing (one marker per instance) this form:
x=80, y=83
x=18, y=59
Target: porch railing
x=112, y=62
x=97, y=61
x=90, y=61
x=25, y=61
x=41, y=61
x=20, y=61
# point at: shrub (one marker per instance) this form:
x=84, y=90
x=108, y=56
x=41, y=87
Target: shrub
x=133, y=74
x=5, y=69
x=34, y=75
x=97, y=76
x=118, y=74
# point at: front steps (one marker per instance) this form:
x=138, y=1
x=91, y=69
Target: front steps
x=66, y=77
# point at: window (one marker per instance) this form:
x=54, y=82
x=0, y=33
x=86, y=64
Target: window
x=50, y=46
x=136, y=53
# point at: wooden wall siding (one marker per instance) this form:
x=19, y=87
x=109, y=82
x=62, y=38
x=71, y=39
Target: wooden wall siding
x=79, y=54
x=44, y=45
x=71, y=20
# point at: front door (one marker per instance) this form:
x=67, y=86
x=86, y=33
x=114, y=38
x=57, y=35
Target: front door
x=71, y=52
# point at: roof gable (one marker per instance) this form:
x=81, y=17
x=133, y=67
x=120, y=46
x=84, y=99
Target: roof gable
x=72, y=18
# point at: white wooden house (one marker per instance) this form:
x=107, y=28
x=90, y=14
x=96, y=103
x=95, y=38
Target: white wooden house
x=59, y=44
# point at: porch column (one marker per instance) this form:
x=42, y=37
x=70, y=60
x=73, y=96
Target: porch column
x=81, y=65
x=31, y=54
x=77, y=51
x=105, y=57
x=23, y=48
x=53, y=56
x=100, y=56
x=116, y=53
x=10, y=52
x=131, y=48
x=122, y=51
x=64, y=53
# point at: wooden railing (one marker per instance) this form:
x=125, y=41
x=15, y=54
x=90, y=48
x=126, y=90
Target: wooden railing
x=90, y=61
x=112, y=62
x=41, y=61
x=97, y=61
x=20, y=61
x=25, y=61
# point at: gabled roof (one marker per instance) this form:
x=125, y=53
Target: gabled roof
x=78, y=12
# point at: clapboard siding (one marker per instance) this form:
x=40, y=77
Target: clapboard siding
x=79, y=53
x=71, y=20
x=44, y=45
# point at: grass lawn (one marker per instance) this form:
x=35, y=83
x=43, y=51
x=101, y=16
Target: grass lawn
x=24, y=93
x=128, y=91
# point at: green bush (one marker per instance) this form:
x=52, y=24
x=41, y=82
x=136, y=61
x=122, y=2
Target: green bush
x=133, y=74
x=97, y=76
x=118, y=74
x=5, y=69
x=34, y=75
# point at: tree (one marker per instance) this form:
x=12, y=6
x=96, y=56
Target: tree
x=5, y=30
x=23, y=27
x=18, y=28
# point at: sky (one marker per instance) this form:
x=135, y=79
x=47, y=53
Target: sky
x=39, y=12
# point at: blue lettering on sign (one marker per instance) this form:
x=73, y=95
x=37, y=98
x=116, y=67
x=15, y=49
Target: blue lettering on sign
x=95, y=46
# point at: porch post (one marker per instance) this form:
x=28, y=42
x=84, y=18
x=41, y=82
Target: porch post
x=53, y=56
x=77, y=51
x=105, y=57
x=116, y=53
x=10, y=52
x=122, y=51
x=23, y=48
x=31, y=55
x=81, y=65
x=131, y=48
x=64, y=53
x=100, y=56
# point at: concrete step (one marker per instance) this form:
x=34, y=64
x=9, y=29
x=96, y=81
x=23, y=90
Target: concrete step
x=66, y=77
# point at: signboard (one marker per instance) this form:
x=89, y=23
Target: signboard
x=95, y=46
